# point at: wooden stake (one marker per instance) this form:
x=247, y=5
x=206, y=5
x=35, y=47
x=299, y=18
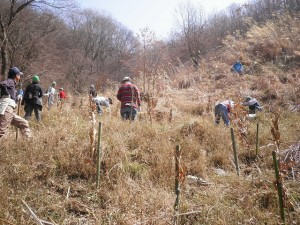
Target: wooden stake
x=17, y=131
x=99, y=155
x=279, y=187
x=257, y=142
x=177, y=185
x=235, y=152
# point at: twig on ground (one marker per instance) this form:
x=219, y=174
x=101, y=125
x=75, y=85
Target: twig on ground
x=32, y=213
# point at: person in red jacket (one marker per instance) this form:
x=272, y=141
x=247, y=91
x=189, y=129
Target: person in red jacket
x=130, y=98
x=61, y=97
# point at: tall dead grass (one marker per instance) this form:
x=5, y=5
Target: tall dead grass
x=55, y=174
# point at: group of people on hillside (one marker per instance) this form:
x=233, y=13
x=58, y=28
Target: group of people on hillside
x=128, y=94
x=31, y=98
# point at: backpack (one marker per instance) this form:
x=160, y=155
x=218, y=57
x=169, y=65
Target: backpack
x=3, y=90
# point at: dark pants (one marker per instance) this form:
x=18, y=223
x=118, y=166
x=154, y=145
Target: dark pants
x=99, y=110
x=129, y=112
x=221, y=111
x=254, y=107
x=37, y=111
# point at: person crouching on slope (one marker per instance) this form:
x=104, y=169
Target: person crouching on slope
x=129, y=96
x=222, y=109
x=253, y=104
x=8, y=104
x=102, y=101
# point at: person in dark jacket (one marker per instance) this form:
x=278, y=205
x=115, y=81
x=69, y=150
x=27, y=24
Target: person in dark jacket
x=32, y=99
x=92, y=91
x=129, y=96
x=8, y=104
x=253, y=104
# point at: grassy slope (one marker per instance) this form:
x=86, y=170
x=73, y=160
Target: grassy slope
x=54, y=174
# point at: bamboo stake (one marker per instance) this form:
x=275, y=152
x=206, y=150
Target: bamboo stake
x=235, y=152
x=257, y=141
x=279, y=187
x=32, y=213
x=99, y=155
x=177, y=185
x=17, y=131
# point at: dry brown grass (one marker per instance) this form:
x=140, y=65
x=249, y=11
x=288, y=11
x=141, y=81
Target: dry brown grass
x=55, y=174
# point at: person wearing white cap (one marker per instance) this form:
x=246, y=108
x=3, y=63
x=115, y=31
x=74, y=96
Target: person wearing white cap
x=130, y=98
x=222, y=109
x=253, y=104
x=8, y=104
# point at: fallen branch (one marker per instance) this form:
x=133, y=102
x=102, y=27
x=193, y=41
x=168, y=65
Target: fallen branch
x=68, y=192
x=46, y=222
x=32, y=213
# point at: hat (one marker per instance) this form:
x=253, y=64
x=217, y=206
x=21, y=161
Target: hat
x=126, y=79
x=92, y=86
x=13, y=72
x=53, y=83
x=248, y=98
x=61, y=89
x=35, y=78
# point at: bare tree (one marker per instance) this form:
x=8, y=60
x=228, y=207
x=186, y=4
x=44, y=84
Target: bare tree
x=191, y=23
x=10, y=11
x=102, y=46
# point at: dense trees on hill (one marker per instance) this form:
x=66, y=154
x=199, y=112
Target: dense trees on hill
x=17, y=19
x=86, y=46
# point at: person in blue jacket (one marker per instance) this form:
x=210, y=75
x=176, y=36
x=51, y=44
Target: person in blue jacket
x=237, y=67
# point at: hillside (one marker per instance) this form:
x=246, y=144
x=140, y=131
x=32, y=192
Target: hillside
x=55, y=174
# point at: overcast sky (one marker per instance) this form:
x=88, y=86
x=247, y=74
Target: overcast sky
x=157, y=15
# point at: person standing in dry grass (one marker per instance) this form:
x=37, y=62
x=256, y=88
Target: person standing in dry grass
x=8, y=104
x=32, y=99
x=223, y=109
x=130, y=98
x=61, y=97
x=51, y=92
x=92, y=91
